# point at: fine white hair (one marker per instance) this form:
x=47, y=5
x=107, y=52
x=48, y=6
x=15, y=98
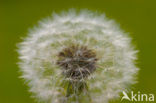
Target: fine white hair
x=38, y=52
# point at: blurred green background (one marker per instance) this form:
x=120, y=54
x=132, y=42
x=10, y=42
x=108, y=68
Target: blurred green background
x=16, y=16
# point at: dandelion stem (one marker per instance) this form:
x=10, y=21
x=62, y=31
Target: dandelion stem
x=76, y=90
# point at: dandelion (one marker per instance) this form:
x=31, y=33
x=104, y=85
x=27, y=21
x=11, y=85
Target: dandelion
x=77, y=57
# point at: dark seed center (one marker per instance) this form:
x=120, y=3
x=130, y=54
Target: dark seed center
x=77, y=62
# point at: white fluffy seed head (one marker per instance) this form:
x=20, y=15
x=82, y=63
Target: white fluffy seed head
x=115, y=70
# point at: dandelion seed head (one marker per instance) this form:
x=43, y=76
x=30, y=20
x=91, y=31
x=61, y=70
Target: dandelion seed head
x=104, y=56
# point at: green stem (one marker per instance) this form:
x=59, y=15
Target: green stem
x=77, y=91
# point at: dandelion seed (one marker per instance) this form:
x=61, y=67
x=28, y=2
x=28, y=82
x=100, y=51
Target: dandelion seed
x=77, y=57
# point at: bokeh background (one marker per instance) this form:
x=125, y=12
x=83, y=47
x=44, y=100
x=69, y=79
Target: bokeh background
x=138, y=17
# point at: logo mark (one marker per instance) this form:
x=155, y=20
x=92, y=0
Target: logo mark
x=137, y=97
x=125, y=96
